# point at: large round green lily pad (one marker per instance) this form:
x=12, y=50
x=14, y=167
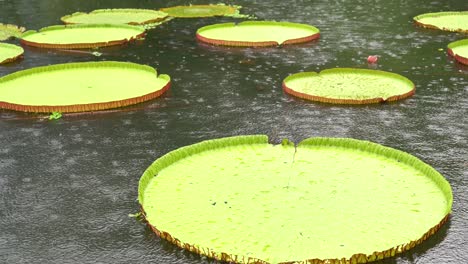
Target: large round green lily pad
x=9, y=52
x=116, y=16
x=459, y=50
x=349, y=86
x=200, y=10
x=82, y=36
x=325, y=200
x=8, y=30
x=257, y=33
x=78, y=87
x=448, y=21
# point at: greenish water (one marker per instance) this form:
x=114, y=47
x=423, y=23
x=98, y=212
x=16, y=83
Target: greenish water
x=67, y=186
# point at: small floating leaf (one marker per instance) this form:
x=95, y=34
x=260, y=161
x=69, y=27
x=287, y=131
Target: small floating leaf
x=339, y=190
x=82, y=36
x=55, y=115
x=116, y=16
x=8, y=30
x=96, y=53
x=80, y=87
x=136, y=215
x=257, y=33
x=9, y=52
x=349, y=86
x=448, y=21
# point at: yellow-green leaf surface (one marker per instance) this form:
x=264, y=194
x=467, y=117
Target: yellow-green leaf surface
x=349, y=84
x=7, y=31
x=257, y=31
x=80, y=84
x=191, y=11
x=459, y=48
x=79, y=34
x=116, y=16
x=327, y=198
x=449, y=21
x=9, y=52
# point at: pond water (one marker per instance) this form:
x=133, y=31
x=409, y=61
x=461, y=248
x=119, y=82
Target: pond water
x=67, y=186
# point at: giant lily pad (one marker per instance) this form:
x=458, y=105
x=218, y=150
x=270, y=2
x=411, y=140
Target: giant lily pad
x=327, y=200
x=201, y=10
x=82, y=36
x=257, y=33
x=9, y=52
x=448, y=21
x=7, y=31
x=78, y=87
x=459, y=50
x=116, y=16
x=349, y=86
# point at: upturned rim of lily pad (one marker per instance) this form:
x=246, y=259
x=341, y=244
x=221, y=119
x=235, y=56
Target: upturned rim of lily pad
x=12, y=30
x=451, y=49
x=441, y=14
x=18, y=52
x=111, y=42
x=216, y=10
x=134, y=69
x=314, y=33
x=158, y=15
x=289, y=89
x=209, y=147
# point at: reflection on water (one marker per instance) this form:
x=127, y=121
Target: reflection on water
x=67, y=186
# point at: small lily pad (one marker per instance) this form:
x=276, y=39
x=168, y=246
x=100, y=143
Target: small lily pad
x=257, y=33
x=55, y=116
x=116, y=16
x=8, y=30
x=192, y=11
x=9, y=52
x=82, y=36
x=448, y=21
x=459, y=50
x=349, y=86
x=80, y=87
x=326, y=200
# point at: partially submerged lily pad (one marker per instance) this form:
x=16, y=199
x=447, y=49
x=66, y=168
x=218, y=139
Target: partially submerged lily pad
x=349, y=86
x=116, y=16
x=448, y=21
x=459, y=50
x=82, y=36
x=191, y=11
x=79, y=87
x=8, y=30
x=257, y=33
x=156, y=24
x=9, y=52
x=326, y=200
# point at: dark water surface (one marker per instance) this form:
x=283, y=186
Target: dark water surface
x=67, y=186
